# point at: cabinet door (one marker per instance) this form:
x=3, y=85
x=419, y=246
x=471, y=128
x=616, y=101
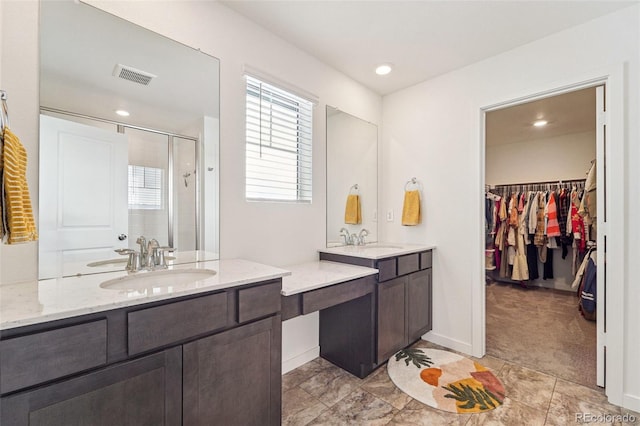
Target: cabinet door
x=391, y=318
x=234, y=378
x=418, y=304
x=146, y=391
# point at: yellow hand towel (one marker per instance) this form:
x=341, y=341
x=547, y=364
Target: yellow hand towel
x=17, y=203
x=411, y=208
x=352, y=212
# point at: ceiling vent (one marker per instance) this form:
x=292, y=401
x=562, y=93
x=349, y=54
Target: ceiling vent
x=132, y=74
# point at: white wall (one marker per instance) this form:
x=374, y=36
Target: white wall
x=433, y=131
x=274, y=233
x=559, y=158
x=20, y=79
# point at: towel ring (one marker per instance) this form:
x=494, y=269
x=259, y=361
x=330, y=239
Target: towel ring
x=355, y=188
x=413, y=181
x=4, y=110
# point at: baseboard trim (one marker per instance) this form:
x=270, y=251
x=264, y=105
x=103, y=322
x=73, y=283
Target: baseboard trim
x=631, y=402
x=448, y=342
x=298, y=360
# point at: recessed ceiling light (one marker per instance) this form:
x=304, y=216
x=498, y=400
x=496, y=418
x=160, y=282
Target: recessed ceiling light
x=383, y=69
x=540, y=123
x=122, y=113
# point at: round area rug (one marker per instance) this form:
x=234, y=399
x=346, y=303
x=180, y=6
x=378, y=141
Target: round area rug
x=445, y=380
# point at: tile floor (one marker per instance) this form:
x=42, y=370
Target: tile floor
x=319, y=393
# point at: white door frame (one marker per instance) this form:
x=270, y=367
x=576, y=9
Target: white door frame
x=615, y=169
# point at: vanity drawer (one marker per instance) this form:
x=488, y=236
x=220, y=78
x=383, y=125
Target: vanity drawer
x=408, y=263
x=163, y=325
x=425, y=259
x=336, y=294
x=387, y=269
x=259, y=301
x=39, y=357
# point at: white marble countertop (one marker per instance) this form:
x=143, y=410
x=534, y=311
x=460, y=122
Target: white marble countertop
x=318, y=274
x=377, y=250
x=46, y=300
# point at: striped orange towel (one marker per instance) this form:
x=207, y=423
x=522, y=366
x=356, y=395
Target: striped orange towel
x=17, y=202
x=411, y=208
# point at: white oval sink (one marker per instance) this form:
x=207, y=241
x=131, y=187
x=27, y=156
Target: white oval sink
x=116, y=262
x=165, y=278
x=380, y=246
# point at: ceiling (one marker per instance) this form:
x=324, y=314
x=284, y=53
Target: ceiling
x=76, y=72
x=422, y=39
x=573, y=112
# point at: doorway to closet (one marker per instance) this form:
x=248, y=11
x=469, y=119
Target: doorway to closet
x=540, y=173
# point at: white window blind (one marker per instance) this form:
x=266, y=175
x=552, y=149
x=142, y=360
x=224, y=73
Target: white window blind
x=145, y=188
x=278, y=144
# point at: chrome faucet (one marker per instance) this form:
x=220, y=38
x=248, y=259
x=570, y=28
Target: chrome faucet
x=152, y=254
x=347, y=237
x=363, y=233
x=143, y=249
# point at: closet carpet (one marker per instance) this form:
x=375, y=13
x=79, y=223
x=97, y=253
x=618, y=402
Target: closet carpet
x=541, y=329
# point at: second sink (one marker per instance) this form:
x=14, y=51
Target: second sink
x=158, y=279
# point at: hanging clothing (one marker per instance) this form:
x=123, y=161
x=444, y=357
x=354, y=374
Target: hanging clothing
x=520, y=266
x=553, y=227
x=539, y=238
x=547, y=270
x=532, y=262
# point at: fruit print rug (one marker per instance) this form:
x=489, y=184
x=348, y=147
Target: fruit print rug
x=445, y=380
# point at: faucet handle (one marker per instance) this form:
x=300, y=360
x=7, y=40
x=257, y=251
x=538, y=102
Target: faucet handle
x=158, y=256
x=133, y=262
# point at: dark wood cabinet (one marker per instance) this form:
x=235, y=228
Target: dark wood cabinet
x=211, y=358
x=233, y=378
x=404, y=312
x=403, y=299
x=418, y=304
x=145, y=391
x=391, y=317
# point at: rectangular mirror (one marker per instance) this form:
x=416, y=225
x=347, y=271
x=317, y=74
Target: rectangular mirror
x=108, y=176
x=352, y=170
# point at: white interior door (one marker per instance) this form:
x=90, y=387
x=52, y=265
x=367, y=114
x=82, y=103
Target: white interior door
x=601, y=278
x=83, y=194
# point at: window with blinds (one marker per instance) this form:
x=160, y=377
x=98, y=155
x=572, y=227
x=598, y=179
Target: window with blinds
x=145, y=188
x=278, y=144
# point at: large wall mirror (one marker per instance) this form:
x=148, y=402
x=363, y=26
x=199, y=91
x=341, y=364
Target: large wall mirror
x=352, y=170
x=106, y=179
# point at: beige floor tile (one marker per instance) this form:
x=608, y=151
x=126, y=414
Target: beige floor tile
x=299, y=407
x=330, y=384
x=358, y=408
x=527, y=386
x=572, y=403
x=380, y=385
x=301, y=374
x=419, y=414
x=510, y=413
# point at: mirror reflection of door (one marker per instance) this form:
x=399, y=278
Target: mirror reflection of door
x=102, y=188
x=83, y=174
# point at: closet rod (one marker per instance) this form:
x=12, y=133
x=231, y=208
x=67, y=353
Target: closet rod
x=547, y=182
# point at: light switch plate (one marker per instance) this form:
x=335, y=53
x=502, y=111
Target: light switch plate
x=389, y=215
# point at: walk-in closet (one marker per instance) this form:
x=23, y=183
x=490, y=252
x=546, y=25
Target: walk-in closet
x=541, y=200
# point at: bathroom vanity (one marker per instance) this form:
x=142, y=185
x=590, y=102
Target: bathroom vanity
x=403, y=293
x=181, y=354
x=372, y=300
